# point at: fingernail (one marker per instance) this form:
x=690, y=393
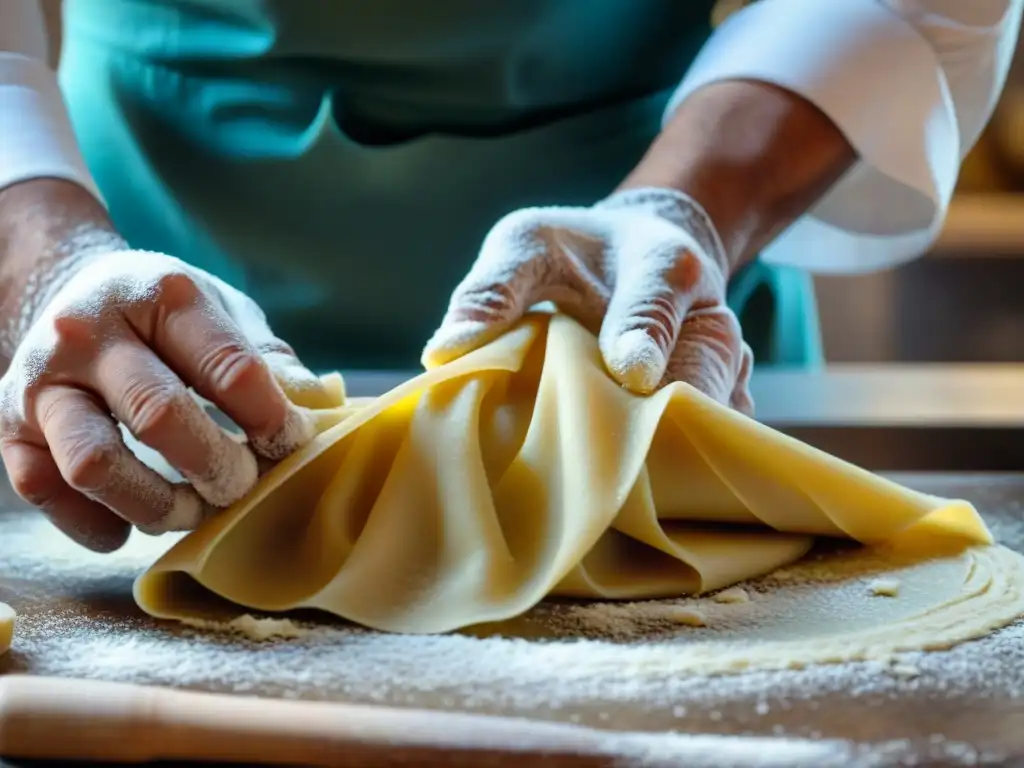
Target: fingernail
x=302, y=386
x=454, y=339
x=103, y=542
x=298, y=430
x=233, y=474
x=187, y=512
x=637, y=362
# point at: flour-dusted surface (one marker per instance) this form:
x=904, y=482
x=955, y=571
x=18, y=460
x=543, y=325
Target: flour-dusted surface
x=77, y=618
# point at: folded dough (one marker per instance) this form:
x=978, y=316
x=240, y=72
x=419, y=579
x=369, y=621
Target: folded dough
x=522, y=470
x=7, y=617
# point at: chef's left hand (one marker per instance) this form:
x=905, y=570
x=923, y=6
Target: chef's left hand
x=644, y=269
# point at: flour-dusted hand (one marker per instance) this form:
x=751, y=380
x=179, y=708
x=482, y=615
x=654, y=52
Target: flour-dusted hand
x=123, y=337
x=644, y=269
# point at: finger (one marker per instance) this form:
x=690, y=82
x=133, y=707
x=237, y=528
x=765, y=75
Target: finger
x=709, y=353
x=302, y=387
x=152, y=402
x=208, y=350
x=652, y=295
x=36, y=478
x=741, y=399
x=88, y=451
x=499, y=288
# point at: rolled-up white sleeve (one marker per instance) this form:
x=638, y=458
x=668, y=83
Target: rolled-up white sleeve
x=36, y=137
x=910, y=83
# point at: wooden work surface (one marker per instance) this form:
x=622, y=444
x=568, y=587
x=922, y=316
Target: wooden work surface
x=962, y=707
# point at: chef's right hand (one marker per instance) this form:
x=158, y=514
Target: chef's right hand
x=122, y=337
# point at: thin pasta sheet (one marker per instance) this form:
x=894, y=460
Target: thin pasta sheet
x=472, y=492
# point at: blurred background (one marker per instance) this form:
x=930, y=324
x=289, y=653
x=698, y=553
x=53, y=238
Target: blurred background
x=963, y=302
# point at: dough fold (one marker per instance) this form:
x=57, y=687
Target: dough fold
x=520, y=471
x=7, y=618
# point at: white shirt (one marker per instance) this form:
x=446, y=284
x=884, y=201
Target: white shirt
x=910, y=83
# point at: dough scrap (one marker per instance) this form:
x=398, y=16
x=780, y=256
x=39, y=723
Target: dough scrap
x=731, y=595
x=688, y=617
x=521, y=470
x=7, y=618
x=884, y=587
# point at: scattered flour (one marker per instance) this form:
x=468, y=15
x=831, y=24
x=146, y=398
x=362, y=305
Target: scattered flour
x=576, y=673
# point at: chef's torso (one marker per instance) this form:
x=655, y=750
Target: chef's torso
x=341, y=160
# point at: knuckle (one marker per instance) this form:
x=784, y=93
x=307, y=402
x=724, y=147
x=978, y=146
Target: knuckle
x=229, y=366
x=275, y=349
x=717, y=324
x=88, y=464
x=73, y=329
x=490, y=298
x=662, y=314
x=174, y=287
x=150, y=408
x=687, y=271
x=657, y=315
x=33, y=483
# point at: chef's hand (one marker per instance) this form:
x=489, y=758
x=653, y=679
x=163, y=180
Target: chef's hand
x=644, y=269
x=122, y=337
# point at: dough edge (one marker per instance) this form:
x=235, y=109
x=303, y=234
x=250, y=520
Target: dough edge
x=7, y=619
x=964, y=617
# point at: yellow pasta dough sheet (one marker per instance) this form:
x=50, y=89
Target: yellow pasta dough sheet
x=7, y=618
x=521, y=471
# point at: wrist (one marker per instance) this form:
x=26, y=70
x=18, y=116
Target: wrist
x=756, y=156
x=48, y=228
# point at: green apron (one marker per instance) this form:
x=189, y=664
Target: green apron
x=341, y=161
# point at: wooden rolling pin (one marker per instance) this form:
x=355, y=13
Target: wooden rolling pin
x=58, y=719
x=51, y=718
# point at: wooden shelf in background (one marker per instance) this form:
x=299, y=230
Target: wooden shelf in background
x=983, y=224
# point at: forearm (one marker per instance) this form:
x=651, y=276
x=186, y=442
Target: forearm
x=44, y=223
x=910, y=84
x=754, y=155
x=49, y=204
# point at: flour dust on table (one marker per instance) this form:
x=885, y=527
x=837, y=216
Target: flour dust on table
x=609, y=665
x=824, y=609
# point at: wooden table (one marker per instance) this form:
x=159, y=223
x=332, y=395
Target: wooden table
x=870, y=717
